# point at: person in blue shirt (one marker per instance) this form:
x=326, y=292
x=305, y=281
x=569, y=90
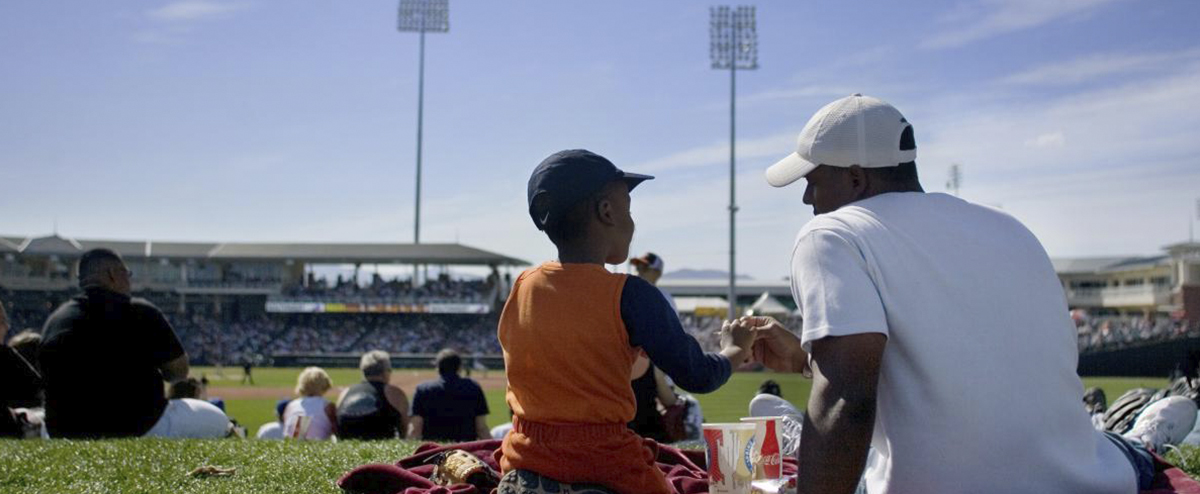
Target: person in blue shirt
x=450, y=408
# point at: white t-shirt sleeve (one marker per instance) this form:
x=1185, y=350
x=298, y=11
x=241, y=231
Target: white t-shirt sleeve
x=833, y=289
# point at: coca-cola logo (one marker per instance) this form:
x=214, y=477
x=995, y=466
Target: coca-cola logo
x=774, y=459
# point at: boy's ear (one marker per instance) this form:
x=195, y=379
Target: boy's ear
x=604, y=211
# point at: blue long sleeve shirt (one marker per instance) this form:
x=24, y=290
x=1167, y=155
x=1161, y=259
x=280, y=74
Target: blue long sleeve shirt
x=654, y=326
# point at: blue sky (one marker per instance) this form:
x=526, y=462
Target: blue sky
x=247, y=120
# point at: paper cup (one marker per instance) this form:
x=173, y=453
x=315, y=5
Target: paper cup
x=728, y=455
x=766, y=451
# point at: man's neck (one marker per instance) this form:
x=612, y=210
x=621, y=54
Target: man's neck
x=89, y=288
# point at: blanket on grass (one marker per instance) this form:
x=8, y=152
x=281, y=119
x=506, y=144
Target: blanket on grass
x=684, y=470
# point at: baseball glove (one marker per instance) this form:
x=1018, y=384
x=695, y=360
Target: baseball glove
x=461, y=467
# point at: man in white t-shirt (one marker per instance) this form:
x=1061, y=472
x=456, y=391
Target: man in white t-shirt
x=934, y=329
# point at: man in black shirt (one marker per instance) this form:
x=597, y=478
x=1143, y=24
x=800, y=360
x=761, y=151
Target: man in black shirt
x=105, y=331
x=450, y=408
x=374, y=408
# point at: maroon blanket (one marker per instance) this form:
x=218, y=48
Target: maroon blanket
x=684, y=470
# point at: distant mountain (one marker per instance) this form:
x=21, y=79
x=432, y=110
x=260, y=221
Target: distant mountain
x=701, y=274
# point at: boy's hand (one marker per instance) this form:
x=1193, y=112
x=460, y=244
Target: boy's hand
x=776, y=347
x=737, y=341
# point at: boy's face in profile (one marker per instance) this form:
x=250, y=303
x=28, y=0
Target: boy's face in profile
x=620, y=231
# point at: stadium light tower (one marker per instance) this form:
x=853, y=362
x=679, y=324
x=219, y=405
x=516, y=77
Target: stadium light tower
x=422, y=16
x=733, y=47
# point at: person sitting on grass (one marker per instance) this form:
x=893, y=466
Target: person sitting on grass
x=274, y=430
x=126, y=339
x=21, y=381
x=451, y=407
x=188, y=416
x=311, y=416
x=571, y=330
x=374, y=408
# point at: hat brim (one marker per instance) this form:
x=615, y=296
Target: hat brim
x=633, y=179
x=789, y=169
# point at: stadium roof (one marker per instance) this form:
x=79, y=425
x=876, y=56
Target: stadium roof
x=1084, y=265
x=1094, y=265
x=300, y=252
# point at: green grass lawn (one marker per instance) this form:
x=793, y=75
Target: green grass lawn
x=155, y=465
x=161, y=465
x=727, y=404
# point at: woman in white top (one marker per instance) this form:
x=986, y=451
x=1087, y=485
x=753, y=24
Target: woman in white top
x=310, y=416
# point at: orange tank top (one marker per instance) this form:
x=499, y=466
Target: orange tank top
x=566, y=349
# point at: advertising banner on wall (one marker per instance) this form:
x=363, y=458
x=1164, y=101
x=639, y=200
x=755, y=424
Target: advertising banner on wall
x=292, y=307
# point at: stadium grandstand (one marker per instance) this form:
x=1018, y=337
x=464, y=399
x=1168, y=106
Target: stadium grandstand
x=268, y=301
x=234, y=302
x=1116, y=302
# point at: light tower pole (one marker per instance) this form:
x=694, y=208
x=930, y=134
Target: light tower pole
x=422, y=16
x=733, y=47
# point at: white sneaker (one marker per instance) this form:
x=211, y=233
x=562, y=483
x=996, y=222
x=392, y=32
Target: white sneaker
x=1166, y=421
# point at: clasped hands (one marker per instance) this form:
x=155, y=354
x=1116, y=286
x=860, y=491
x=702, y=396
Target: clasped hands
x=768, y=342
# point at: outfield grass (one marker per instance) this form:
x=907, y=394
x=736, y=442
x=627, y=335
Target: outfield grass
x=726, y=404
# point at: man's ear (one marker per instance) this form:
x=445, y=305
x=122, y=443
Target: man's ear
x=859, y=180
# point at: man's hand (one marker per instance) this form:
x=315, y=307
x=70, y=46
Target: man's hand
x=776, y=347
x=737, y=340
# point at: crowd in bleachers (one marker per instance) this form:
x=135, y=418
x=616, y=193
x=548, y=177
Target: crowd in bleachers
x=1109, y=333
x=441, y=289
x=210, y=342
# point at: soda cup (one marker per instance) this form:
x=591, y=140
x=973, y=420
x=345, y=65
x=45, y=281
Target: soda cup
x=728, y=454
x=766, y=454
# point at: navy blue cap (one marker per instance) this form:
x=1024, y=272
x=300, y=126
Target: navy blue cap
x=567, y=177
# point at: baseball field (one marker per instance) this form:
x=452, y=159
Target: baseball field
x=157, y=465
x=254, y=405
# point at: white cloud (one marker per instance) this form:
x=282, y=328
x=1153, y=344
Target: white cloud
x=1052, y=139
x=995, y=17
x=1100, y=65
x=809, y=91
x=172, y=23
x=193, y=10
x=777, y=146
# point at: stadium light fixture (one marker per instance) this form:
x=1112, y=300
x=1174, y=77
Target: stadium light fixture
x=422, y=16
x=733, y=46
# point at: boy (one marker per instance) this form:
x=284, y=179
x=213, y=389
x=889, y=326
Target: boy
x=571, y=331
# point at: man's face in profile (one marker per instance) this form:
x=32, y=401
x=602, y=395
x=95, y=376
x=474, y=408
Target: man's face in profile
x=829, y=188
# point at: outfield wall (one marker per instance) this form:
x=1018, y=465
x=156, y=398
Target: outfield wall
x=1153, y=360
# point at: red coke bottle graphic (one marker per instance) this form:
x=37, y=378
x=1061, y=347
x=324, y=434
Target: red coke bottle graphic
x=772, y=459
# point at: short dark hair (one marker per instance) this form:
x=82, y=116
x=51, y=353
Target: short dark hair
x=95, y=261
x=187, y=388
x=902, y=174
x=770, y=387
x=448, y=362
x=573, y=224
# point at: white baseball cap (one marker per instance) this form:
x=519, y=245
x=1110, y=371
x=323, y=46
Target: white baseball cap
x=855, y=130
